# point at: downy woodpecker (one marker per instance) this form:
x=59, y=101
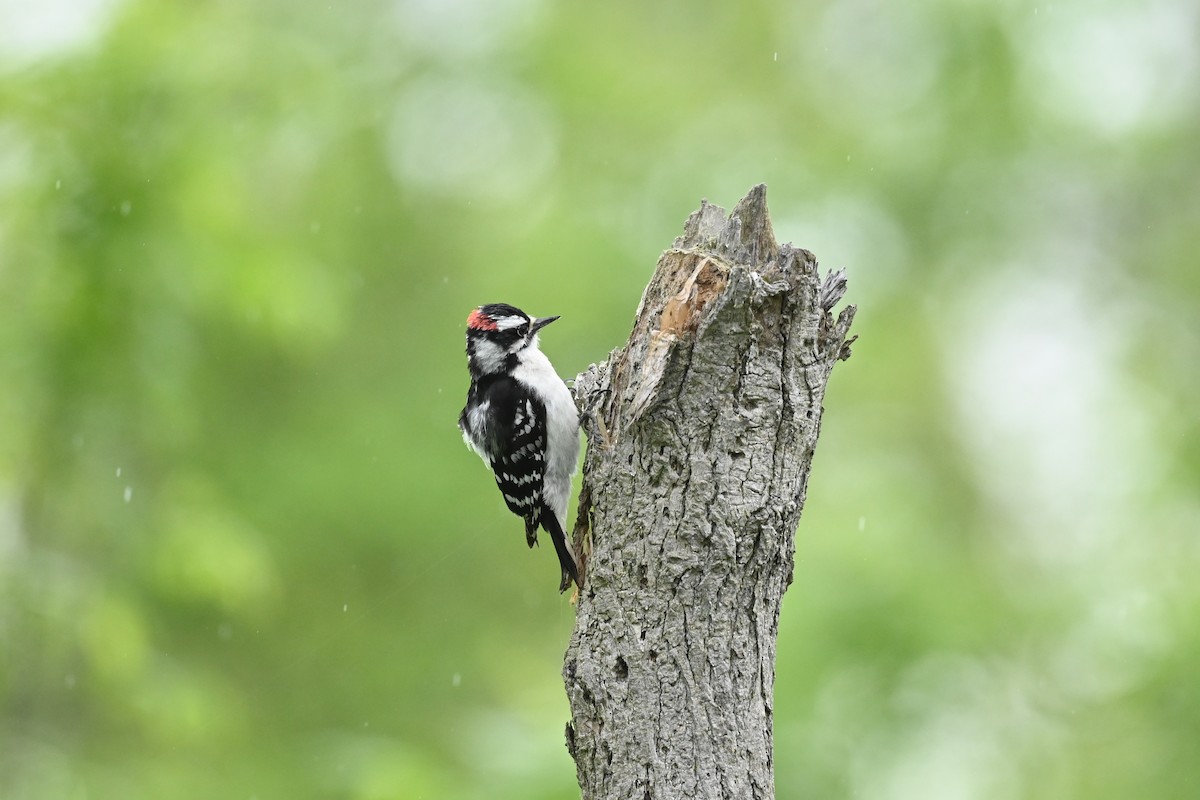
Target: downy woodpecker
x=521, y=420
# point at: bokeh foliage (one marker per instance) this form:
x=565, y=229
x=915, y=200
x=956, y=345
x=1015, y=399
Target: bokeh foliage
x=243, y=552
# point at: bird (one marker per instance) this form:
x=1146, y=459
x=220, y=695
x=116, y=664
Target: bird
x=521, y=419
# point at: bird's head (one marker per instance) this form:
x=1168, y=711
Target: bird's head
x=496, y=335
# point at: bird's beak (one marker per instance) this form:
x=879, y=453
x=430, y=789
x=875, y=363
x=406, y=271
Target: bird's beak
x=540, y=323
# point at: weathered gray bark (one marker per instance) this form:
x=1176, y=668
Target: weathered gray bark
x=701, y=433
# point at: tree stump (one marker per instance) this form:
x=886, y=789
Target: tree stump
x=701, y=434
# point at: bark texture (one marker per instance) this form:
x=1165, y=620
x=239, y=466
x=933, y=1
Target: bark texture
x=701, y=434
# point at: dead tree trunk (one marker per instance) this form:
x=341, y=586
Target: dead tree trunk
x=701, y=434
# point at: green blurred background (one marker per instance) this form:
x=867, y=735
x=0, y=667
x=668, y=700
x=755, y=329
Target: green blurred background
x=244, y=552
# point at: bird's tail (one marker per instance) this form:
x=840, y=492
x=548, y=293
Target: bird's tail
x=566, y=559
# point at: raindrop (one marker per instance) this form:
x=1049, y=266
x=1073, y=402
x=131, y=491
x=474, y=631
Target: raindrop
x=128, y=493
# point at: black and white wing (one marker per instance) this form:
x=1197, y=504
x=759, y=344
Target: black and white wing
x=510, y=434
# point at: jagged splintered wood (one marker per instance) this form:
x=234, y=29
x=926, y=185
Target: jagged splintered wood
x=701, y=433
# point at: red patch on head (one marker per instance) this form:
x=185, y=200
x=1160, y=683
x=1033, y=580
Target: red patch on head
x=480, y=321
